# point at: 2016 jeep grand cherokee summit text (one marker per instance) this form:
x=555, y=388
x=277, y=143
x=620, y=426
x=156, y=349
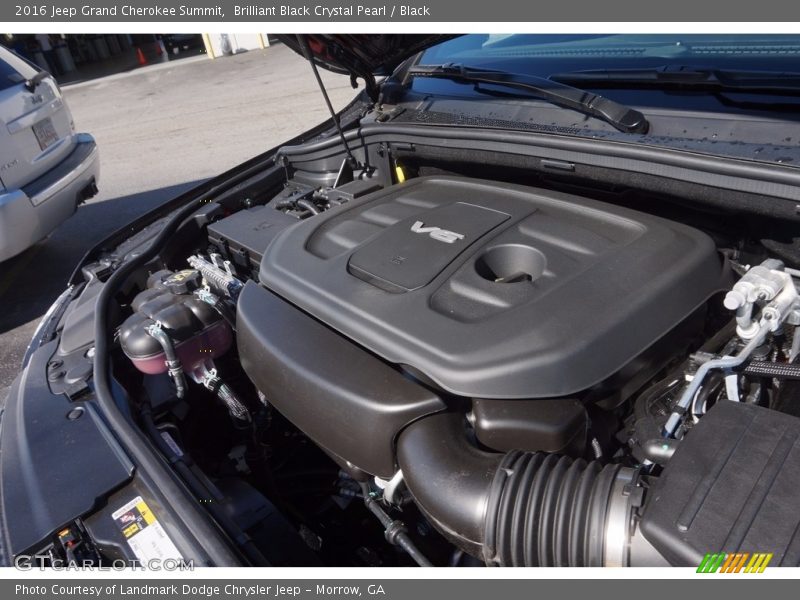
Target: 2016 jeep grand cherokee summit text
x=527, y=300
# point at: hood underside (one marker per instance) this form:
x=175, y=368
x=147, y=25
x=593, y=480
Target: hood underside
x=364, y=56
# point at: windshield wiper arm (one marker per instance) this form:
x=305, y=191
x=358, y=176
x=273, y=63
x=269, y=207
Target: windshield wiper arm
x=619, y=116
x=686, y=77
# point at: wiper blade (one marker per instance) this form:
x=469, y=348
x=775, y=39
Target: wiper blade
x=687, y=77
x=621, y=117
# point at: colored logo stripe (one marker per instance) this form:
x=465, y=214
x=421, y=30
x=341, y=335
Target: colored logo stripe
x=711, y=562
x=723, y=562
x=734, y=562
x=758, y=563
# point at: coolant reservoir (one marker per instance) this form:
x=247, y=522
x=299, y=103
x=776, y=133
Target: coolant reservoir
x=197, y=330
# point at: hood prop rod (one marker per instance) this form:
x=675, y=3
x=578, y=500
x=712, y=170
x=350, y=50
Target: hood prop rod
x=309, y=56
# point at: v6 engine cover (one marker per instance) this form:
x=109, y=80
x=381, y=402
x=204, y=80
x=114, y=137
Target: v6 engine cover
x=494, y=290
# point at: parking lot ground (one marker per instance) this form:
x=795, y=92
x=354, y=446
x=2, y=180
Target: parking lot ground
x=160, y=131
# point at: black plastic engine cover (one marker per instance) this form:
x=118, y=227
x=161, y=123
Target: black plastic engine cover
x=350, y=403
x=557, y=425
x=731, y=486
x=411, y=255
x=493, y=290
x=242, y=237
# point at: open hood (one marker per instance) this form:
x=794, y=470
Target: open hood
x=364, y=55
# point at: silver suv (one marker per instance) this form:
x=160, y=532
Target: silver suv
x=46, y=168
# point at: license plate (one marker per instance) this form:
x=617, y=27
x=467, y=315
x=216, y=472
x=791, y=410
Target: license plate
x=45, y=133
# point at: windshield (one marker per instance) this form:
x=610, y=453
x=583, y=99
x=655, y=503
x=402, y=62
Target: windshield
x=557, y=55
x=543, y=55
x=734, y=95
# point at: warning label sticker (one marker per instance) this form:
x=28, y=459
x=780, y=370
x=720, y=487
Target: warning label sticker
x=144, y=533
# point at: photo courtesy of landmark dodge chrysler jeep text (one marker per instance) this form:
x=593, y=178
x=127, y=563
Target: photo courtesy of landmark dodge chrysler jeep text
x=527, y=300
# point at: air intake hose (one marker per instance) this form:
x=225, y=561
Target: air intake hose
x=519, y=508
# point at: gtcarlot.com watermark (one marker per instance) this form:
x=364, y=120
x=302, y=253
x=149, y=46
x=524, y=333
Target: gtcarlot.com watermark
x=49, y=563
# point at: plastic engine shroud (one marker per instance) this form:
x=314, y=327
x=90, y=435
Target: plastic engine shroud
x=494, y=290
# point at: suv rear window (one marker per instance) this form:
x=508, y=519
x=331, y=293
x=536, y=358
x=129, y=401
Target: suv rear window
x=13, y=69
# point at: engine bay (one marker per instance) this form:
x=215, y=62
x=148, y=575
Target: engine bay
x=406, y=364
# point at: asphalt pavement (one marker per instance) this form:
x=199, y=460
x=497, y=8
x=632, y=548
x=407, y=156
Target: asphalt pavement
x=160, y=129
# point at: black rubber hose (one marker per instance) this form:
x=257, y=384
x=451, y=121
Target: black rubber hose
x=309, y=206
x=547, y=510
x=226, y=313
x=174, y=366
x=395, y=531
x=236, y=408
x=517, y=509
x=774, y=370
x=287, y=203
x=448, y=477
